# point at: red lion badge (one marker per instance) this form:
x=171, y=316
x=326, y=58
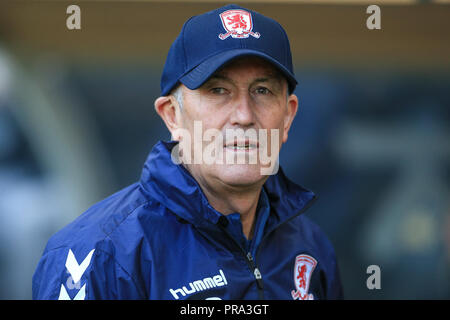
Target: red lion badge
x=304, y=267
x=237, y=24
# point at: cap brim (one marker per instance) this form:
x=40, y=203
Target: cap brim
x=200, y=74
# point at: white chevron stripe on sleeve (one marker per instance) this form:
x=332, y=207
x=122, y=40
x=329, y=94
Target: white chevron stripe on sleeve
x=76, y=270
x=63, y=295
x=81, y=294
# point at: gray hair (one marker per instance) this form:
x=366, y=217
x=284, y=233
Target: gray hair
x=177, y=93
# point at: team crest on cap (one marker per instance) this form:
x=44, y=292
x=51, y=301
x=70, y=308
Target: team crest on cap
x=237, y=24
x=304, y=267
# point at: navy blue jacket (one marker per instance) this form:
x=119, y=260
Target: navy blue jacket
x=160, y=239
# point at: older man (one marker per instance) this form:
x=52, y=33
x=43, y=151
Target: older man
x=213, y=216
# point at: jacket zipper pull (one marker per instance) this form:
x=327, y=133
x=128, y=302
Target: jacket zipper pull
x=256, y=271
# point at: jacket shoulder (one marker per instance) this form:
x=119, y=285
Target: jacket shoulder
x=75, y=254
x=97, y=222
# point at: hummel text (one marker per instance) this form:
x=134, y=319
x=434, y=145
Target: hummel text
x=200, y=285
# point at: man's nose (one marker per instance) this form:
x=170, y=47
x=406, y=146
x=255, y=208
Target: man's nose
x=243, y=111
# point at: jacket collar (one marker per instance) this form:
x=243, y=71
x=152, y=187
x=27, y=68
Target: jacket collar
x=173, y=186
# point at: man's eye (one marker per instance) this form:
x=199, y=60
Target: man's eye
x=218, y=90
x=262, y=90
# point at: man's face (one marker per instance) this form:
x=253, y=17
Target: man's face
x=247, y=94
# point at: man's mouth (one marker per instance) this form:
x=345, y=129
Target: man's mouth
x=243, y=145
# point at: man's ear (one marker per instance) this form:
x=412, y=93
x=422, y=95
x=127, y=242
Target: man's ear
x=169, y=111
x=292, y=107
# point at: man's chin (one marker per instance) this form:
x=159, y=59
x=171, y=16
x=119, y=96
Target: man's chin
x=241, y=175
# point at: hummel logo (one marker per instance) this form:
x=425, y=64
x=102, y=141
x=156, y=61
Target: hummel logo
x=200, y=285
x=76, y=272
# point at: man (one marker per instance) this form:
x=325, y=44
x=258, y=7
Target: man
x=210, y=218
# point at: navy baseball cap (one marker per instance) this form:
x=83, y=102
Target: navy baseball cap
x=210, y=40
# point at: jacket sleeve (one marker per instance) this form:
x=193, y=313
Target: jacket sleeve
x=66, y=274
x=335, y=290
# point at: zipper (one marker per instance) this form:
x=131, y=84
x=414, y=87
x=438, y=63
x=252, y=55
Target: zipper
x=251, y=264
x=257, y=274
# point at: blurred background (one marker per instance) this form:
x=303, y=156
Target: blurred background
x=371, y=137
